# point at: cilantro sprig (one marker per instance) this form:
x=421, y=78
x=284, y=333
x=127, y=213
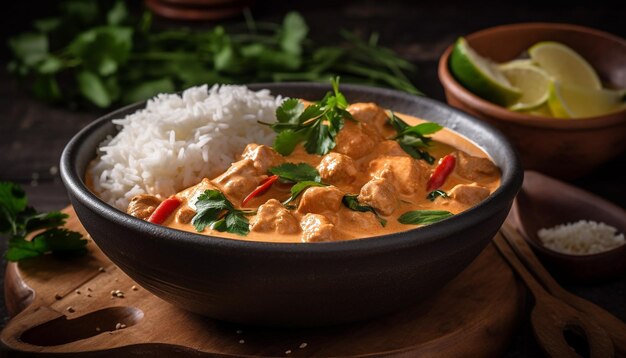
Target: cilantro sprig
x=302, y=175
x=352, y=203
x=19, y=221
x=316, y=125
x=413, y=139
x=217, y=212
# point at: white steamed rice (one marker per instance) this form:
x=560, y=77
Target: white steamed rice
x=176, y=141
x=581, y=238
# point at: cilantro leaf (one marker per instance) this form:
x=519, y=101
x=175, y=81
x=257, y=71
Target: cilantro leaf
x=213, y=209
x=316, y=126
x=300, y=187
x=352, y=203
x=435, y=194
x=296, y=172
x=413, y=139
x=423, y=217
x=19, y=220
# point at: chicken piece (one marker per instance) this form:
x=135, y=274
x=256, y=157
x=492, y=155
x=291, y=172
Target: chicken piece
x=475, y=168
x=240, y=179
x=337, y=169
x=409, y=175
x=316, y=228
x=184, y=215
x=380, y=194
x=273, y=217
x=320, y=200
x=142, y=206
x=362, y=221
x=353, y=141
x=262, y=156
x=372, y=116
x=389, y=148
x=469, y=194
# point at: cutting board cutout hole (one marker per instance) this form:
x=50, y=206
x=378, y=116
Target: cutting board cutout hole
x=577, y=339
x=62, y=330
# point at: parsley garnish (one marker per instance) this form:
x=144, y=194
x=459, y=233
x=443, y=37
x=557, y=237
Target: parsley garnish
x=413, y=139
x=316, y=126
x=214, y=210
x=423, y=217
x=298, y=188
x=19, y=220
x=352, y=203
x=437, y=193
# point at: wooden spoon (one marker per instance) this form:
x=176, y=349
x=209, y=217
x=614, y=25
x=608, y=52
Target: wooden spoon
x=615, y=327
x=551, y=317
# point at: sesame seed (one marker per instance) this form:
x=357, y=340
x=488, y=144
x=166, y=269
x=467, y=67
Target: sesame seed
x=101, y=269
x=122, y=325
x=288, y=351
x=303, y=345
x=89, y=289
x=70, y=309
x=88, y=295
x=57, y=296
x=134, y=288
x=118, y=326
x=97, y=329
x=77, y=292
x=241, y=341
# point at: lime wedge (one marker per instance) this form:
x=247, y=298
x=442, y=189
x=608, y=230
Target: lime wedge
x=480, y=75
x=564, y=65
x=578, y=102
x=532, y=81
x=541, y=111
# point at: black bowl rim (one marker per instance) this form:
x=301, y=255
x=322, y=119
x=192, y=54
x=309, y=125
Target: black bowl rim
x=509, y=185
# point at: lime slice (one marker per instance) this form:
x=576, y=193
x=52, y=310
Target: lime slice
x=541, y=111
x=480, y=75
x=532, y=81
x=564, y=65
x=578, y=102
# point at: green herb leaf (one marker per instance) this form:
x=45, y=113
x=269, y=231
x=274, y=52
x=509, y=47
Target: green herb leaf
x=294, y=31
x=413, y=139
x=352, y=203
x=316, y=126
x=299, y=188
x=296, y=172
x=436, y=194
x=19, y=220
x=148, y=89
x=118, y=13
x=30, y=48
x=215, y=210
x=92, y=88
x=423, y=217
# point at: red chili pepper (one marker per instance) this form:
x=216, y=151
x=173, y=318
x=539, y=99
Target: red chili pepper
x=164, y=210
x=262, y=188
x=445, y=167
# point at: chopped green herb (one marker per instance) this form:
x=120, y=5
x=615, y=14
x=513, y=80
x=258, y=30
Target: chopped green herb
x=413, y=139
x=19, y=221
x=296, y=172
x=316, y=126
x=214, y=210
x=352, y=203
x=436, y=194
x=300, y=187
x=423, y=217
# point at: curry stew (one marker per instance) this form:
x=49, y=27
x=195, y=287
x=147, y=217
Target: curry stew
x=366, y=165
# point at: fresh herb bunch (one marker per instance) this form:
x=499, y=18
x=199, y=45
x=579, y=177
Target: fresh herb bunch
x=316, y=125
x=103, y=55
x=18, y=221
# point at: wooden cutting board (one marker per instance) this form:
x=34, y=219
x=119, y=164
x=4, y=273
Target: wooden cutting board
x=68, y=307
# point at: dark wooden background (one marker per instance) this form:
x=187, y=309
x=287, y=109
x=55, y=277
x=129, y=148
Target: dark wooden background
x=33, y=134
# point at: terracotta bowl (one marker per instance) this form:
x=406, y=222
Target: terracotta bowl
x=544, y=202
x=564, y=148
x=295, y=284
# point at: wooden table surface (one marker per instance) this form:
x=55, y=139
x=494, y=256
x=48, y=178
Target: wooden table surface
x=35, y=133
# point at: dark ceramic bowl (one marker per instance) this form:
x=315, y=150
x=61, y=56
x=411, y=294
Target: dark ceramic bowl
x=297, y=284
x=549, y=145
